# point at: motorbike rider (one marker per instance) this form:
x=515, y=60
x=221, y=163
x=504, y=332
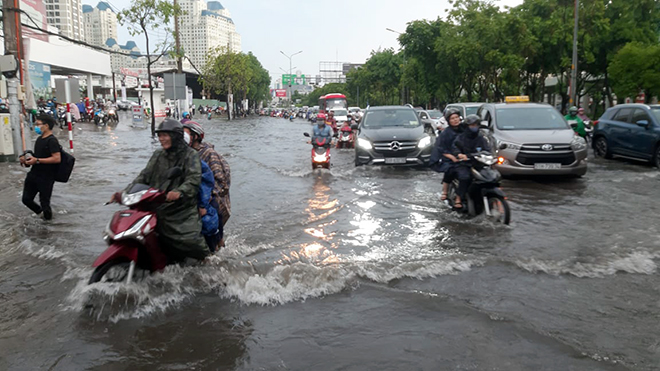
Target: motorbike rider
x=221, y=174
x=442, y=157
x=321, y=130
x=468, y=142
x=185, y=117
x=573, y=116
x=179, y=226
x=332, y=121
x=582, y=116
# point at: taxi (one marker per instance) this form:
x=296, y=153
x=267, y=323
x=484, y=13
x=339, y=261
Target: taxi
x=532, y=139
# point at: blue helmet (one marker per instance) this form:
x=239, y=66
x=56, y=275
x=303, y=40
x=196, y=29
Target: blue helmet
x=186, y=115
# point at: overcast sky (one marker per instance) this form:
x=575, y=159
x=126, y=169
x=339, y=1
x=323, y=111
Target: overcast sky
x=334, y=30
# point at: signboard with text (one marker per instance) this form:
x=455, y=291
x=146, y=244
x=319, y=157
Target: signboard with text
x=137, y=115
x=280, y=93
x=294, y=79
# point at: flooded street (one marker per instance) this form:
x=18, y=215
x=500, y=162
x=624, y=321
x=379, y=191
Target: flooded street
x=347, y=269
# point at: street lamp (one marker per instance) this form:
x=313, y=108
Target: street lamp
x=403, y=89
x=290, y=68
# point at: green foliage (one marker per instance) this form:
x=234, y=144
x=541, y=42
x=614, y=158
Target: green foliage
x=483, y=53
x=228, y=72
x=635, y=68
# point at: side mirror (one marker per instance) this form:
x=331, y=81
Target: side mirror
x=174, y=172
x=306, y=134
x=643, y=123
x=484, y=124
x=354, y=127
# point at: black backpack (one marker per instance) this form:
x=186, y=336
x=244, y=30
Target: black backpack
x=66, y=166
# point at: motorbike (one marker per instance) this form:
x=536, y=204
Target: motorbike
x=131, y=235
x=100, y=117
x=320, y=152
x=484, y=195
x=346, y=138
x=589, y=129
x=112, y=116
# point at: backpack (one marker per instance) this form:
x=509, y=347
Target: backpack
x=66, y=166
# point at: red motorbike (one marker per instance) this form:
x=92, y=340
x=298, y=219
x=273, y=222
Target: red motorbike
x=320, y=152
x=346, y=138
x=131, y=236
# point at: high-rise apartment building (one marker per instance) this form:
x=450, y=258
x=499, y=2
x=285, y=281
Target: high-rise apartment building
x=205, y=26
x=66, y=15
x=100, y=23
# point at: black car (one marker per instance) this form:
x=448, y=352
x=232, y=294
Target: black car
x=392, y=135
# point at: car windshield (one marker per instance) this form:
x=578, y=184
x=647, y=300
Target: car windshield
x=390, y=117
x=435, y=114
x=532, y=118
x=471, y=110
x=656, y=113
x=340, y=112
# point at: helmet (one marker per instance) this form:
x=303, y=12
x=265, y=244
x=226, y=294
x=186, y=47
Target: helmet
x=573, y=110
x=195, y=128
x=186, y=115
x=321, y=116
x=170, y=126
x=580, y=109
x=472, y=119
x=450, y=112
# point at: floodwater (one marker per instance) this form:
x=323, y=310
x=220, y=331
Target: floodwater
x=346, y=269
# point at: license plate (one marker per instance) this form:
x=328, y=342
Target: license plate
x=547, y=166
x=395, y=160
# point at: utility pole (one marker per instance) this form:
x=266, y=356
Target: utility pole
x=12, y=34
x=179, y=60
x=290, y=72
x=574, y=93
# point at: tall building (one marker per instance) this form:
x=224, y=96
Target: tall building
x=205, y=26
x=66, y=15
x=100, y=23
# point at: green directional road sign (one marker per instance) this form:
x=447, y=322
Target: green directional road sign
x=297, y=79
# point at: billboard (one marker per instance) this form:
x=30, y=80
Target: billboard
x=280, y=93
x=37, y=14
x=40, y=79
x=297, y=79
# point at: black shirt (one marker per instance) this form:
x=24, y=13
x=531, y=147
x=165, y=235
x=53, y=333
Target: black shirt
x=44, y=148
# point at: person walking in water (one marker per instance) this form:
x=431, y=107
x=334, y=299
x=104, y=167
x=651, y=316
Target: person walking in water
x=45, y=163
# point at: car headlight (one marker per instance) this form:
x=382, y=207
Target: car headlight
x=578, y=143
x=424, y=142
x=508, y=145
x=364, y=143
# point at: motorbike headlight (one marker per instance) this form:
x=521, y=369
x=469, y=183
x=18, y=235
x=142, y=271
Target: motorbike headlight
x=508, y=145
x=364, y=143
x=129, y=199
x=578, y=143
x=424, y=142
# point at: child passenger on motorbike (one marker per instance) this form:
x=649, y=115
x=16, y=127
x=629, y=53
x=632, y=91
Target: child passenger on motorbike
x=469, y=142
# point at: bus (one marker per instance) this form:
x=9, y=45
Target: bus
x=332, y=101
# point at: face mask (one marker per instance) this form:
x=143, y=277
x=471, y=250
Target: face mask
x=186, y=137
x=474, y=130
x=37, y=129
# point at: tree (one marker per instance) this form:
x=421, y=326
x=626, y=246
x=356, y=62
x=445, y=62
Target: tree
x=634, y=69
x=228, y=72
x=142, y=17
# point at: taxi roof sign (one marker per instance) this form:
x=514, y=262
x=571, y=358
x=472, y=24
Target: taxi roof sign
x=516, y=99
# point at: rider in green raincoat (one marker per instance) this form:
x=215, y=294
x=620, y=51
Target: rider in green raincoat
x=179, y=225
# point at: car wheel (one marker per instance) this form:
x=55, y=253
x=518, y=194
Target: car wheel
x=656, y=157
x=602, y=148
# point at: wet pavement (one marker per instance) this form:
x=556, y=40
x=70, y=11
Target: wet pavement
x=346, y=269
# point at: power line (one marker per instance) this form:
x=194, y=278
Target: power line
x=78, y=42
